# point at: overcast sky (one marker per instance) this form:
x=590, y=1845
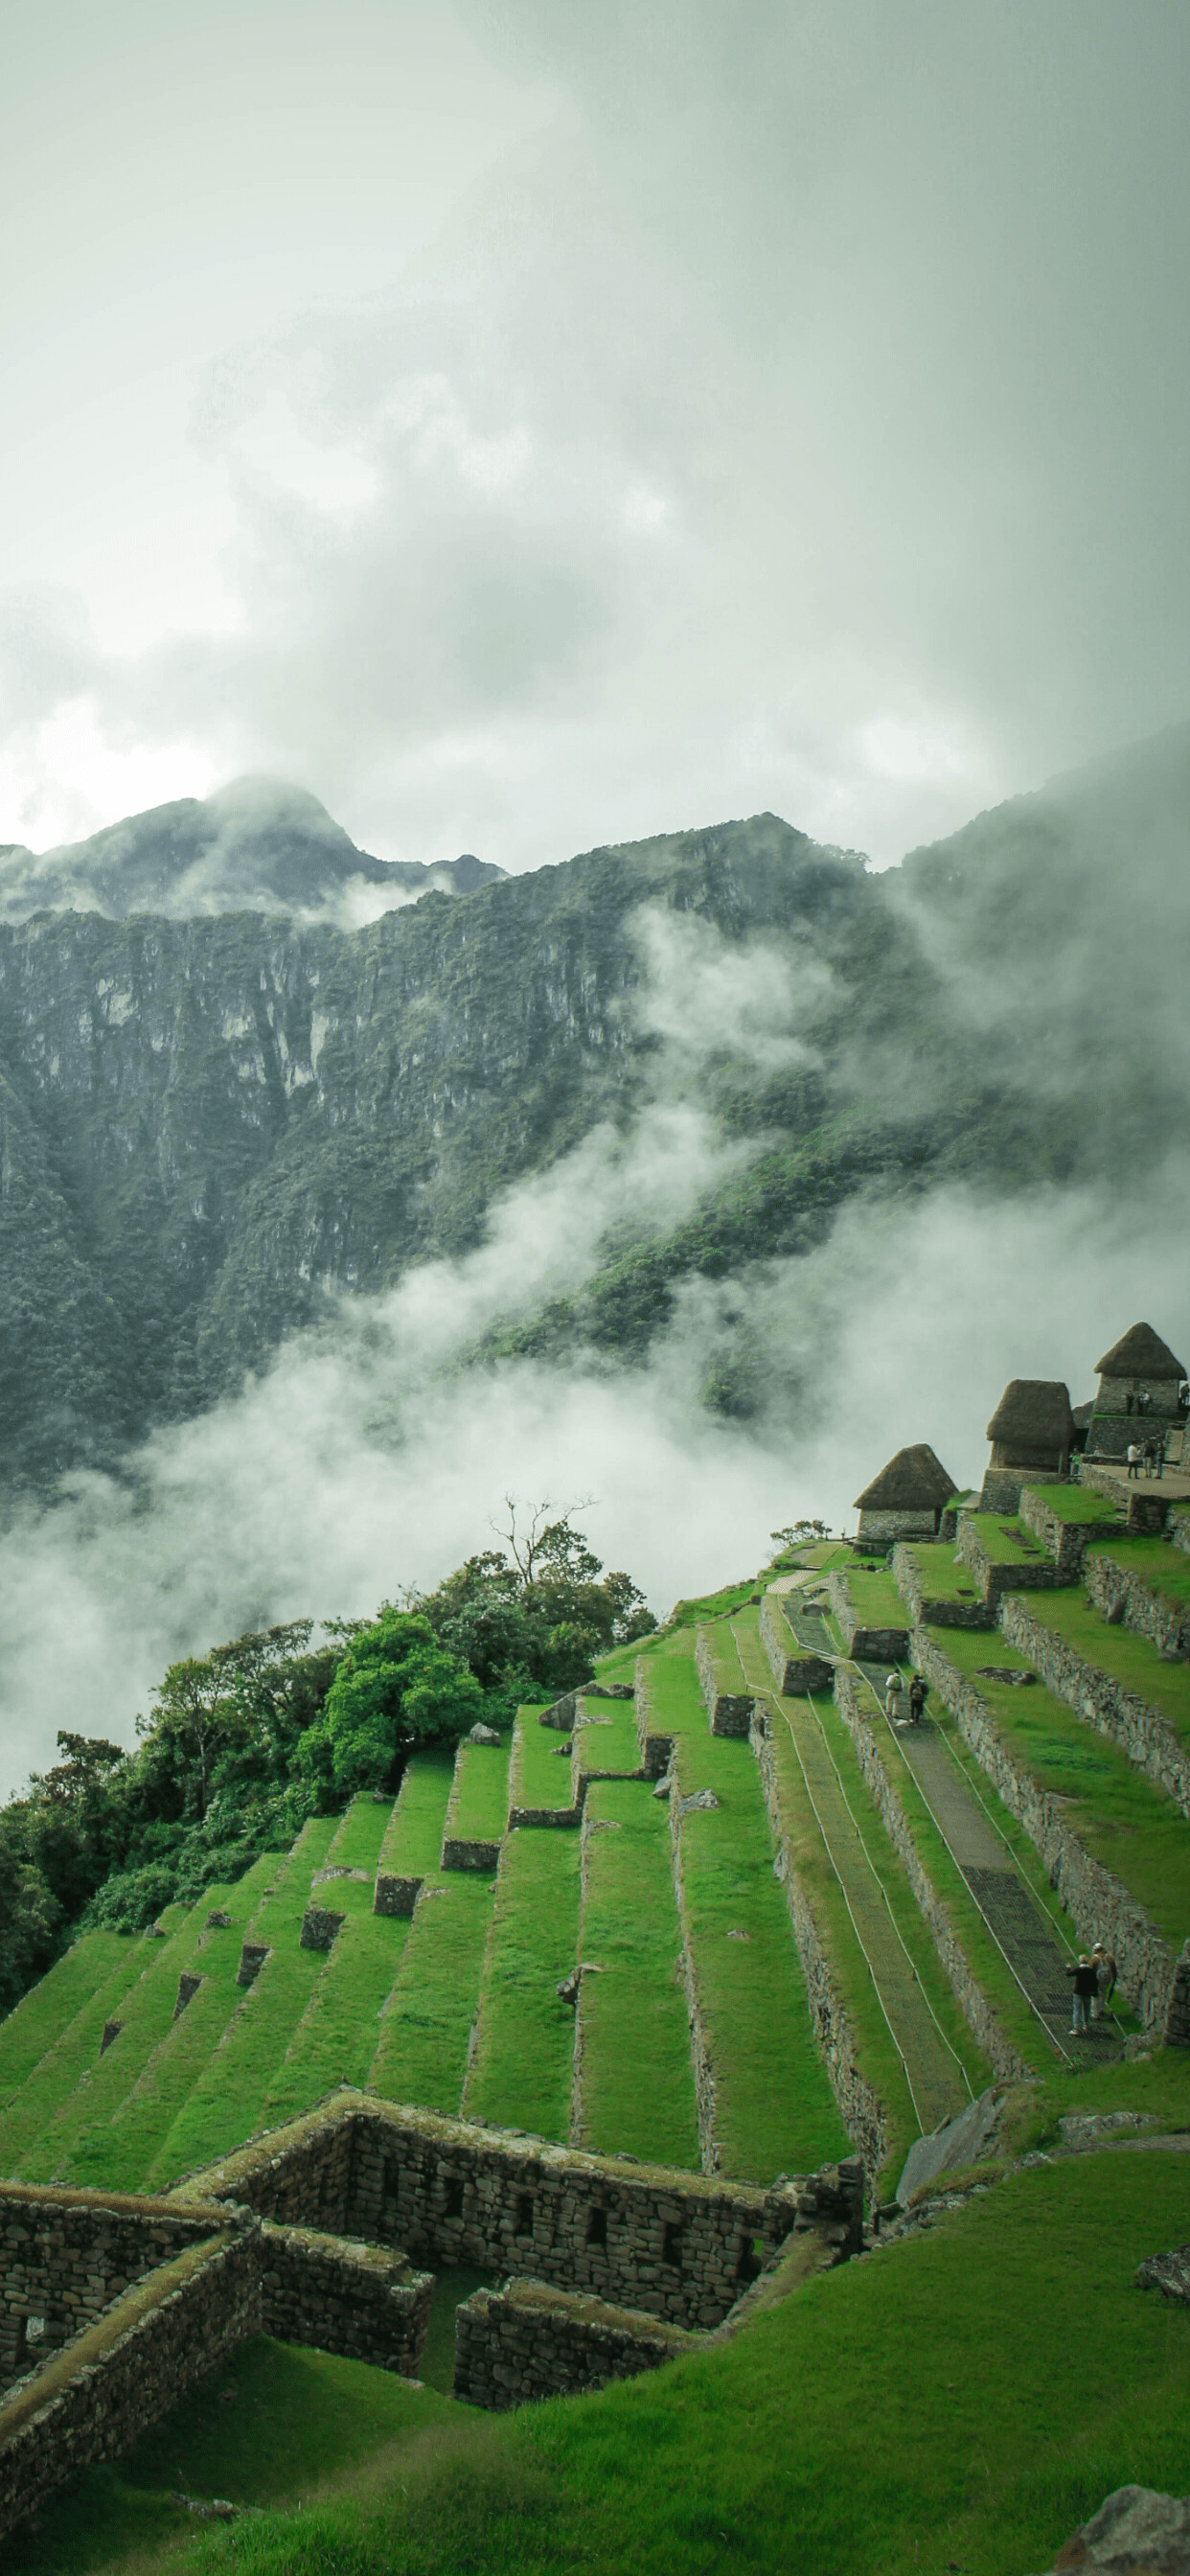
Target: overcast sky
x=534, y=423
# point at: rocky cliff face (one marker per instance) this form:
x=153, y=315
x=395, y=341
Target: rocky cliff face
x=210, y=1125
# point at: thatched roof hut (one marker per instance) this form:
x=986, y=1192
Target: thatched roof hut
x=1033, y=1420
x=1140, y=1353
x=914, y=1481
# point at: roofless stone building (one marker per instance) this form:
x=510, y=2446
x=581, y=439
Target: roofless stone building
x=1140, y=1384
x=1032, y=1434
x=906, y=1499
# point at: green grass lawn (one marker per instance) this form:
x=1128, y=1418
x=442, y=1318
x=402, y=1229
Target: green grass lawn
x=478, y=1810
x=119, y=2155
x=943, y=1575
x=1077, y=1504
x=1164, y=1568
x=963, y=2399
x=412, y=1844
x=521, y=2072
x=335, y=2040
x=1006, y=1538
x=421, y=2053
x=226, y=2103
x=47, y=2010
x=1116, y=1813
x=875, y=1598
x=1119, y=1652
x=637, y=2090
x=269, y=2427
x=606, y=1745
x=709, y=1605
x=775, y=2112
x=76, y=2050
x=539, y=1772
x=73, y=2142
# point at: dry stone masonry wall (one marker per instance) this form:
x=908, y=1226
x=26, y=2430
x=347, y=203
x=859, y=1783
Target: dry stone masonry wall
x=880, y=1644
x=1118, y=1593
x=911, y=1575
x=529, y=2341
x=1004, y=2059
x=1141, y=1732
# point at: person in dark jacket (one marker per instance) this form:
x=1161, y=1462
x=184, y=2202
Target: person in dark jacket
x=917, y=1697
x=1086, y=1987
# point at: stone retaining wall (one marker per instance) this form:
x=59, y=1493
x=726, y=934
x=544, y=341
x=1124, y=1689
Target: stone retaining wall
x=923, y=1608
x=730, y=1712
x=860, y=2108
x=528, y=2341
x=1099, y=1904
x=1146, y=1506
x=655, y=1742
x=875, y=1645
x=1141, y=1732
x=395, y=1895
x=457, y=1853
x=1118, y=1593
x=1002, y=2057
x=1066, y=1541
x=793, y=1667
x=994, y=1577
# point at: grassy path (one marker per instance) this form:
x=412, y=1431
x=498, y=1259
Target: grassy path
x=636, y=2085
x=521, y=2073
x=42, y=2017
x=774, y=2108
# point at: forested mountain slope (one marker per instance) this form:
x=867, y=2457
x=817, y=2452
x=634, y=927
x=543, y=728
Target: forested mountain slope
x=209, y=1125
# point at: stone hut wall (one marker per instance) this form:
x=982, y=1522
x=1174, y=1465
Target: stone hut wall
x=1099, y=1904
x=158, y=2335
x=65, y=2255
x=454, y=2192
x=97, y=2398
x=529, y=2341
x=883, y=1529
x=1003, y=2058
x=1141, y=1732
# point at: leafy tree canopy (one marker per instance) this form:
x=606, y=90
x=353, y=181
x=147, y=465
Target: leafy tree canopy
x=396, y=1686
x=531, y=1618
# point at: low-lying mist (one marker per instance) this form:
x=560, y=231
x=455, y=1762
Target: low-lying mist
x=376, y=1454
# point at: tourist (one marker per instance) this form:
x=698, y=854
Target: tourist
x=1086, y=1987
x=892, y=1696
x=917, y=1697
x=1106, y=1973
x=1149, y=1454
x=1135, y=1454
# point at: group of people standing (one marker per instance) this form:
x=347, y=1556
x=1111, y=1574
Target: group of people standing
x=1094, y=1976
x=1149, y=1454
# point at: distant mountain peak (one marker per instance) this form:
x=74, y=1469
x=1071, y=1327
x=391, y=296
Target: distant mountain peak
x=256, y=845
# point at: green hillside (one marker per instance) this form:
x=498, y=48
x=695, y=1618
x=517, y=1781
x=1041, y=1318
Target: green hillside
x=831, y=1931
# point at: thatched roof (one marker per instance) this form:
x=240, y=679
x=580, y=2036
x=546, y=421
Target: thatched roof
x=1141, y=1353
x=914, y=1481
x=1033, y=1409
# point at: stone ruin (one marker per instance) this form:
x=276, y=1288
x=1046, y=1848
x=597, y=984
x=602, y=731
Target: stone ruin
x=112, y=2306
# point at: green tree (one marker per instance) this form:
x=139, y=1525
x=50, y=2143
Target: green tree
x=535, y=1619
x=396, y=1686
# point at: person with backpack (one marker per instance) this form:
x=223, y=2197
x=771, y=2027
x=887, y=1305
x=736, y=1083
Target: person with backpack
x=892, y=1697
x=1086, y=1988
x=917, y=1697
